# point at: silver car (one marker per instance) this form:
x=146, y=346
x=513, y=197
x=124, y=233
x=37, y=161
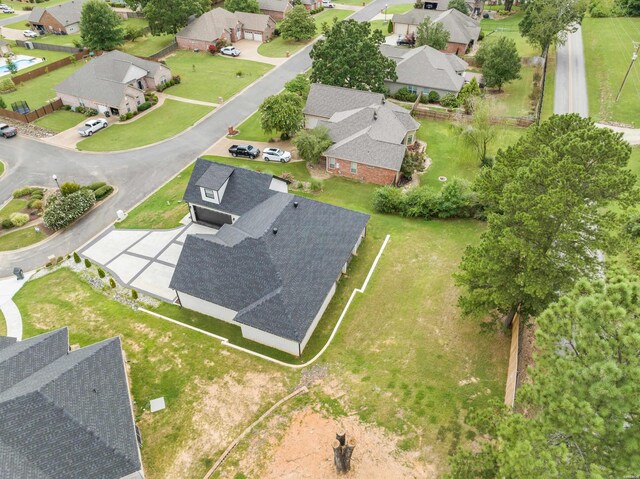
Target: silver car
x=276, y=154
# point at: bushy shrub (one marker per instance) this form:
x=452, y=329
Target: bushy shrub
x=287, y=176
x=7, y=85
x=96, y=185
x=175, y=80
x=144, y=106
x=112, y=283
x=37, y=193
x=134, y=294
x=2, y=103
x=22, y=192
x=388, y=199
x=101, y=273
x=449, y=101
x=420, y=203
x=403, y=94
x=64, y=210
x=36, y=204
x=76, y=257
x=456, y=200
x=599, y=9
x=103, y=192
x=69, y=187
x=315, y=185
x=481, y=36
x=433, y=97
x=87, y=263
x=7, y=223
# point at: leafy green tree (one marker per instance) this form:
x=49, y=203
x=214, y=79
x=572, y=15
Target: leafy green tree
x=11, y=66
x=100, y=26
x=583, y=399
x=480, y=132
x=312, y=143
x=460, y=5
x=499, y=61
x=469, y=95
x=413, y=161
x=250, y=6
x=548, y=200
x=432, y=34
x=283, y=113
x=136, y=4
x=350, y=57
x=132, y=33
x=630, y=7
x=300, y=85
x=547, y=22
x=298, y=25
x=169, y=16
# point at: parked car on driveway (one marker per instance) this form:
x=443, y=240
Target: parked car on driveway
x=276, y=154
x=6, y=9
x=248, y=151
x=7, y=131
x=405, y=41
x=230, y=51
x=327, y=4
x=92, y=126
x=30, y=34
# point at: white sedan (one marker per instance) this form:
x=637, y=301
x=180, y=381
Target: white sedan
x=30, y=34
x=230, y=51
x=276, y=154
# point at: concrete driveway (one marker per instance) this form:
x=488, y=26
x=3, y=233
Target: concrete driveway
x=143, y=259
x=249, y=51
x=221, y=148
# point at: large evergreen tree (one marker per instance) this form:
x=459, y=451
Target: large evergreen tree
x=583, y=400
x=547, y=200
x=100, y=27
x=298, y=25
x=169, y=16
x=547, y=22
x=432, y=34
x=499, y=61
x=350, y=57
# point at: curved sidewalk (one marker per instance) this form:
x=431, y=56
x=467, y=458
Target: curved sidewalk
x=8, y=288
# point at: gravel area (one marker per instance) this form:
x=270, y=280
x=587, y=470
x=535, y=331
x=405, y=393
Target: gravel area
x=28, y=129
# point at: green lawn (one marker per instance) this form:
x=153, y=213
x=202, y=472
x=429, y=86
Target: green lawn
x=3, y=325
x=148, y=45
x=60, y=40
x=402, y=8
x=508, y=27
x=449, y=157
x=278, y=47
x=206, y=77
x=49, y=55
x=19, y=25
x=38, y=91
x=358, y=3
x=60, y=120
x=380, y=25
x=250, y=130
x=14, y=205
x=550, y=85
x=1, y=168
x=608, y=49
x=20, y=239
x=151, y=128
x=514, y=99
x=20, y=5
x=200, y=380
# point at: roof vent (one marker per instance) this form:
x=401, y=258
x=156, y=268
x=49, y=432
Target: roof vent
x=384, y=100
x=295, y=204
x=375, y=115
x=275, y=231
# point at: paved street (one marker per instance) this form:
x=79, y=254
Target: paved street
x=571, y=82
x=136, y=173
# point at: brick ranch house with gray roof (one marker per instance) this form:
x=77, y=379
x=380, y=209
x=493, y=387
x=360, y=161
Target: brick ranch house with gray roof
x=113, y=82
x=224, y=25
x=273, y=265
x=370, y=134
x=425, y=69
x=276, y=9
x=463, y=30
x=63, y=18
x=65, y=414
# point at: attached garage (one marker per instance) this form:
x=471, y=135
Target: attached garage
x=248, y=35
x=211, y=217
x=257, y=37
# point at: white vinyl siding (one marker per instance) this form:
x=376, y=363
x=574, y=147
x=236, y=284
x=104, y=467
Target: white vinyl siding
x=205, y=307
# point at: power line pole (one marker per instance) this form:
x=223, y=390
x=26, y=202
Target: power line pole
x=636, y=45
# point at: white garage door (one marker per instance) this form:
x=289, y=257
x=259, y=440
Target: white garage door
x=248, y=35
x=257, y=37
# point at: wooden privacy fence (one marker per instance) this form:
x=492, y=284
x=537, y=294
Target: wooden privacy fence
x=43, y=70
x=34, y=114
x=512, y=372
x=422, y=112
x=164, y=52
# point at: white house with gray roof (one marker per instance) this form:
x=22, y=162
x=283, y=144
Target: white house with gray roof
x=370, y=134
x=425, y=69
x=114, y=82
x=65, y=414
x=273, y=265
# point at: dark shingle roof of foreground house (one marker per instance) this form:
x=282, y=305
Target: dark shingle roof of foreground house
x=65, y=414
x=276, y=264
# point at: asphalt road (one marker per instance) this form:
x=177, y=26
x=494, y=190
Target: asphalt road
x=17, y=18
x=136, y=173
x=570, y=94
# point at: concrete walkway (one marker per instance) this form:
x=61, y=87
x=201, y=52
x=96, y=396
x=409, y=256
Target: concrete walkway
x=8, y=288
x=189, y=100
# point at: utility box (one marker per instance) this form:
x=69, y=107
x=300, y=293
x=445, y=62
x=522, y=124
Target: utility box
x=19, y=273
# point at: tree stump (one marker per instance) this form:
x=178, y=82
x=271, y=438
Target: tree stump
x=347, y=452
x=342, y=452
x=337, y=456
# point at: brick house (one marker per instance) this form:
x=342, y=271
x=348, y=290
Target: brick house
x=463, y=30
x=276, y=9
x=63, y=18
x=370, y=135
x=476, y=7
x=113, y=82
x=220, y=24
x=312, y=4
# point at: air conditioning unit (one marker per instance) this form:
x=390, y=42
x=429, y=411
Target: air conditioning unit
x=29, y=45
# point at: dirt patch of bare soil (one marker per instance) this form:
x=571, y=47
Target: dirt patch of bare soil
x=305, y=451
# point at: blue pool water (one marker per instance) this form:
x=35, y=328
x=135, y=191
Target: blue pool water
x=23, y=63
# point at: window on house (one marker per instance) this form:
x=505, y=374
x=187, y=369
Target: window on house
x=332, y=162
x=412, y=89
x=354, y=167
x=209, y=194
x=425, y=91
x=410, y=139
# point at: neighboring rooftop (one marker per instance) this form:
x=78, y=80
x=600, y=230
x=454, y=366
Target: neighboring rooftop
x=276, y=281
x=213, y=24
x=65, y=414
x=66, y=13
x=427, y=67
x=275, y=5
x=105, y=78
x=462, y=28
x=325, y=100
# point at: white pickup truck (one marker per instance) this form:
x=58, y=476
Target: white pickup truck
x=92, y=126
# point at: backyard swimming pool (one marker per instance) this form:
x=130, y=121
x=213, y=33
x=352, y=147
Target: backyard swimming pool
x=21, y=61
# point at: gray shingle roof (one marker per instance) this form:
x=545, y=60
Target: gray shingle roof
x=426, y=67
x=246, y=189
x=105, y=78
x=254, y=21
x=462, y=28
x=65, y=414
x=275, y=5
x=210, y=25
x=325, y=100
x=66, y=13
x=214, y=178
x=276, y=282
